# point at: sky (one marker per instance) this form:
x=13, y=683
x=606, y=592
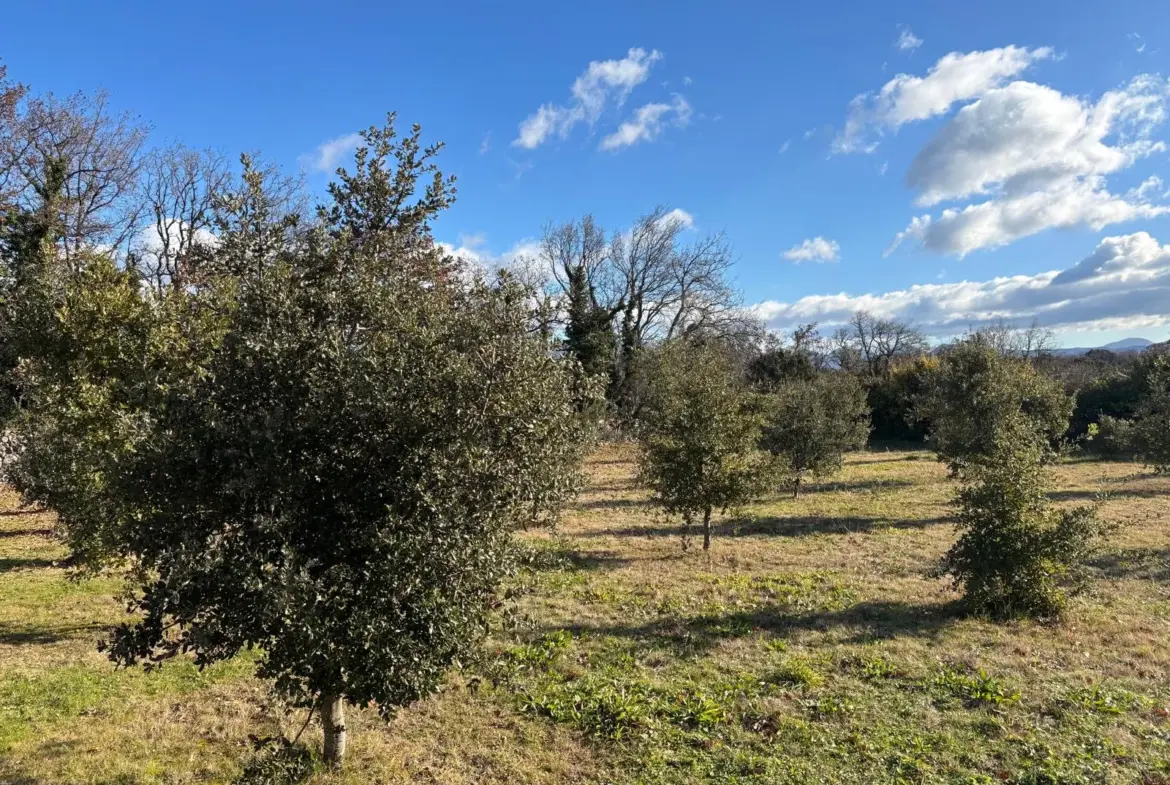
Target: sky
x=947, y=163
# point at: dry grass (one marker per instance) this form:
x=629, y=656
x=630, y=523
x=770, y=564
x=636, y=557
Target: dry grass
x=810, y=645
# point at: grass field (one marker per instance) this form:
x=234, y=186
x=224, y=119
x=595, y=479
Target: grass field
x=810, y=646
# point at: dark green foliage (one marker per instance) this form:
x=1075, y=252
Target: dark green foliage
x=589, y=327
x=891, y=401
x=1113, y=394
x=1111, y=437
x=699, y=434
x=338, y=487
x=105, y=357
x=976, y=391
x=812, y=423
x=777, y=365
x=1016, y=555
x=1151, y=429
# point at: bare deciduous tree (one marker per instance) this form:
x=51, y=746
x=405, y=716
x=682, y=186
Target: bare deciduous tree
x=869, y=344
x=10, y=95
x=1028, y=343
x=101, y=154
x=180, y=188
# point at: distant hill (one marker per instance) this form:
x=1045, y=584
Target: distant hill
x=1122, y=346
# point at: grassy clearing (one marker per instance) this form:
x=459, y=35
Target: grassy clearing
x=810, y=646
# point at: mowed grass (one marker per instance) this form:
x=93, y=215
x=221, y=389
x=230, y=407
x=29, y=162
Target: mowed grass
x=811, y=645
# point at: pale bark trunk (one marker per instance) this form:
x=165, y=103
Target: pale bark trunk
x=333, y=721
x=707, y=529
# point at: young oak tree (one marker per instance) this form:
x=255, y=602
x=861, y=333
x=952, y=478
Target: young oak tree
x=994, y=419
x=339, y=488
x=974, y=389
x=812, y=423
x=1017, y=556
x=698, y=434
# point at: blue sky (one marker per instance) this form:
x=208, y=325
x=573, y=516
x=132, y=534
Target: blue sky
x=1040, y=130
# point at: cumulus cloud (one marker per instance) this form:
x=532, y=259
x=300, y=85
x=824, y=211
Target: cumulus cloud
x=905, y=98
x=816, y=249
x=602, y=82
x=472, y=248
x=1025, y=137
x=1042, y=157
x=907, y=41
x=328, y=154
x=1123, y=284
x=647, y=123
x=999, y=222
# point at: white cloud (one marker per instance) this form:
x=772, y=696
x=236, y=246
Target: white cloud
x=472, y=249
x=905, y=98
x=602, y=81
x=1024, y=137
x=647, y=123
x=784, y=147
x=1000, y=222
x=684, y=219
x=907, y=41
x=1043, y=157
x=486, y=144
x=1123, y=284
x=816, y=249
x=328, y=155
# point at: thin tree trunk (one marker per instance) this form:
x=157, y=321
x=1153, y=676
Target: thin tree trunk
x=707, y=529
x=333, y=721
x=795, y=487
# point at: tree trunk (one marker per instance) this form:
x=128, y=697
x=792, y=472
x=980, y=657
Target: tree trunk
x=333, y=721
x=795, y=487
x=707, y=529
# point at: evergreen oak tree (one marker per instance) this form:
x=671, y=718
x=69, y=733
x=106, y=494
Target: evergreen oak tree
x=812, y=423
x=699, y=433
x=338, y=487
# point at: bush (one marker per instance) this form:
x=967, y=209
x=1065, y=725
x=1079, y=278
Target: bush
x=1151, y=429
x=1017, y=556
x=976, y=393
x=699, y=434
x=812, y=423
x=891, y=401
x=1110, y=438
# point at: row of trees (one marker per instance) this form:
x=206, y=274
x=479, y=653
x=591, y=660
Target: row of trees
x=309, y=433
x=713, y=438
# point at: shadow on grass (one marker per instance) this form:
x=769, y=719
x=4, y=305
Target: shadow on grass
x=1123, y=493
x=611, y=504
x=864, y=622
x=22, y=563
x=775, y=527
x=18, y=635
x=876, y=484
x=7, y=533
x=1145, y=563
x=20, y=512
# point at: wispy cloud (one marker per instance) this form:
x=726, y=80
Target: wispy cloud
x=907, y=41
x=602, y=82
x=329, y=154
x=648, y=122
